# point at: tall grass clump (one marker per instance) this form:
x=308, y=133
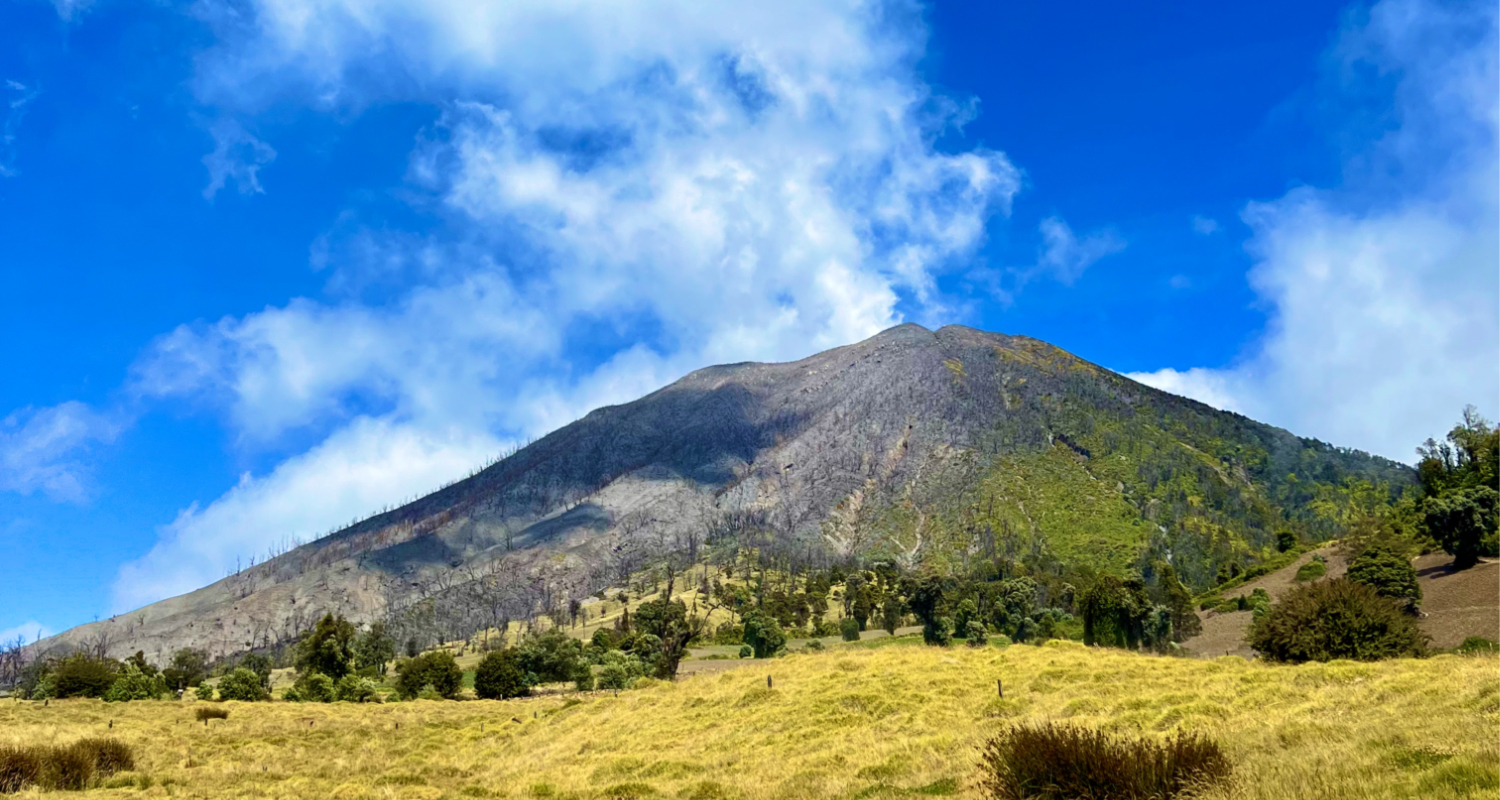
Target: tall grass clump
x=209, y=712
x=1058, y=762
x=70, y=768
x=19, y=767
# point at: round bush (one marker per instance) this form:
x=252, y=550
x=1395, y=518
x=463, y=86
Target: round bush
x=355, y=689
x=1389, y=573
x=849, y=629
x=746, y=651
x=499, y=676
x=312, y=687
x=243, y=684
x=135, y=685
x=1311, y=571
x=437, y=669
x=1335, y=619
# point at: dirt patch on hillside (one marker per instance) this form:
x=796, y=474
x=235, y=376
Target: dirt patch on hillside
x=1457, y=605
x=1224, y=633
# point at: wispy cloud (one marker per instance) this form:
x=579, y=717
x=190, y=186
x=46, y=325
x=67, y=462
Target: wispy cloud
x=1384, y=289
x=28, y=632
x=1062, y=256
x=1205, y=226
x=40, y=449
x=20, y=96
x=237, y=156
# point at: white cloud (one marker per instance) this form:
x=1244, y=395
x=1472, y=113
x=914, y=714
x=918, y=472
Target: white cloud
x=28, y=631
x=39, y=449
x=1208, y=386
x=1065, y=256
x=1205, y=226
x=1384, y=290
x=706, y=182
x=363, y=466
x=70, y=10
x=236, y=156
x=14, y=111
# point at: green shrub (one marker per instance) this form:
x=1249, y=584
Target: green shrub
x=328, y=649
x=499, y=676
x=813, y=645
x=1056, y=762
x=1311, y=571
x=584, y=680
x=729, y=634
x=1475, y=645
x=746, y=651
x=430, y=692
x=355, y=689
x=82, y=675
x=210, y=712
x=436, y=669
x=135, y=685
x=620, y=671
x=849, y=629
x=1389, y=573
x=938, y=632
x=311, y=687
x=551, y=657
x=1258, y=603
x=188, y=669
x=764, y=635
x=243, y=684
x=1335, y=619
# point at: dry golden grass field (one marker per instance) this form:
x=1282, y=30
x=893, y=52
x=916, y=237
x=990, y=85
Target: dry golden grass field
x=859, y=722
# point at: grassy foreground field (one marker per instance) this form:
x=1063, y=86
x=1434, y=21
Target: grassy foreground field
x=859, y=722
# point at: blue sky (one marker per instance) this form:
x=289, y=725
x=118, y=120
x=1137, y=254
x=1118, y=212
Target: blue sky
x=270, y=266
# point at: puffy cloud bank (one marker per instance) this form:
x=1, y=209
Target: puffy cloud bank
x=703, y=183
x=1383, y=291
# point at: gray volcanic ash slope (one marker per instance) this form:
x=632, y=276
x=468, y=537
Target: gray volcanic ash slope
x=909, y=444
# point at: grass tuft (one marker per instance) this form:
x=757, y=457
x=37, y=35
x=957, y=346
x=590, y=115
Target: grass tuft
x=1060, y=762
x=210, y=712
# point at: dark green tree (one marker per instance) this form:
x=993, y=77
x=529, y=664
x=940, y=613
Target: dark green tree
x=763, y=634
x=891, y=612
x=669, y=622
x=849, y=629
x=82, y=675
x=437, y=669
x=1389, y=573
x=927, y=597
x=328, y=649
x=1114, y=612
x=242, y=683
x=1463, y=522
x=188, y=668
x=374, y=648
x=1335, y=619
x=550, y=657
x=1179, y=604
x=499, y=676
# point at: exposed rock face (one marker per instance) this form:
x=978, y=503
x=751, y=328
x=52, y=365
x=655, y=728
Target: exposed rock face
x=886, y=446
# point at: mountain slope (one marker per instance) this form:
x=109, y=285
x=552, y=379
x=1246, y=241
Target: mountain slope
x=913, y=445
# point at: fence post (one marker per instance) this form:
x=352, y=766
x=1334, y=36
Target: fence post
x=768, y=681
x=1000, y=687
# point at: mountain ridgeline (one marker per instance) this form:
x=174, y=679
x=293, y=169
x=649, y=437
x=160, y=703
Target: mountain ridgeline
x=927, y=448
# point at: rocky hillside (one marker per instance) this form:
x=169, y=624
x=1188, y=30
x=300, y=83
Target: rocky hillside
x=915, y=445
